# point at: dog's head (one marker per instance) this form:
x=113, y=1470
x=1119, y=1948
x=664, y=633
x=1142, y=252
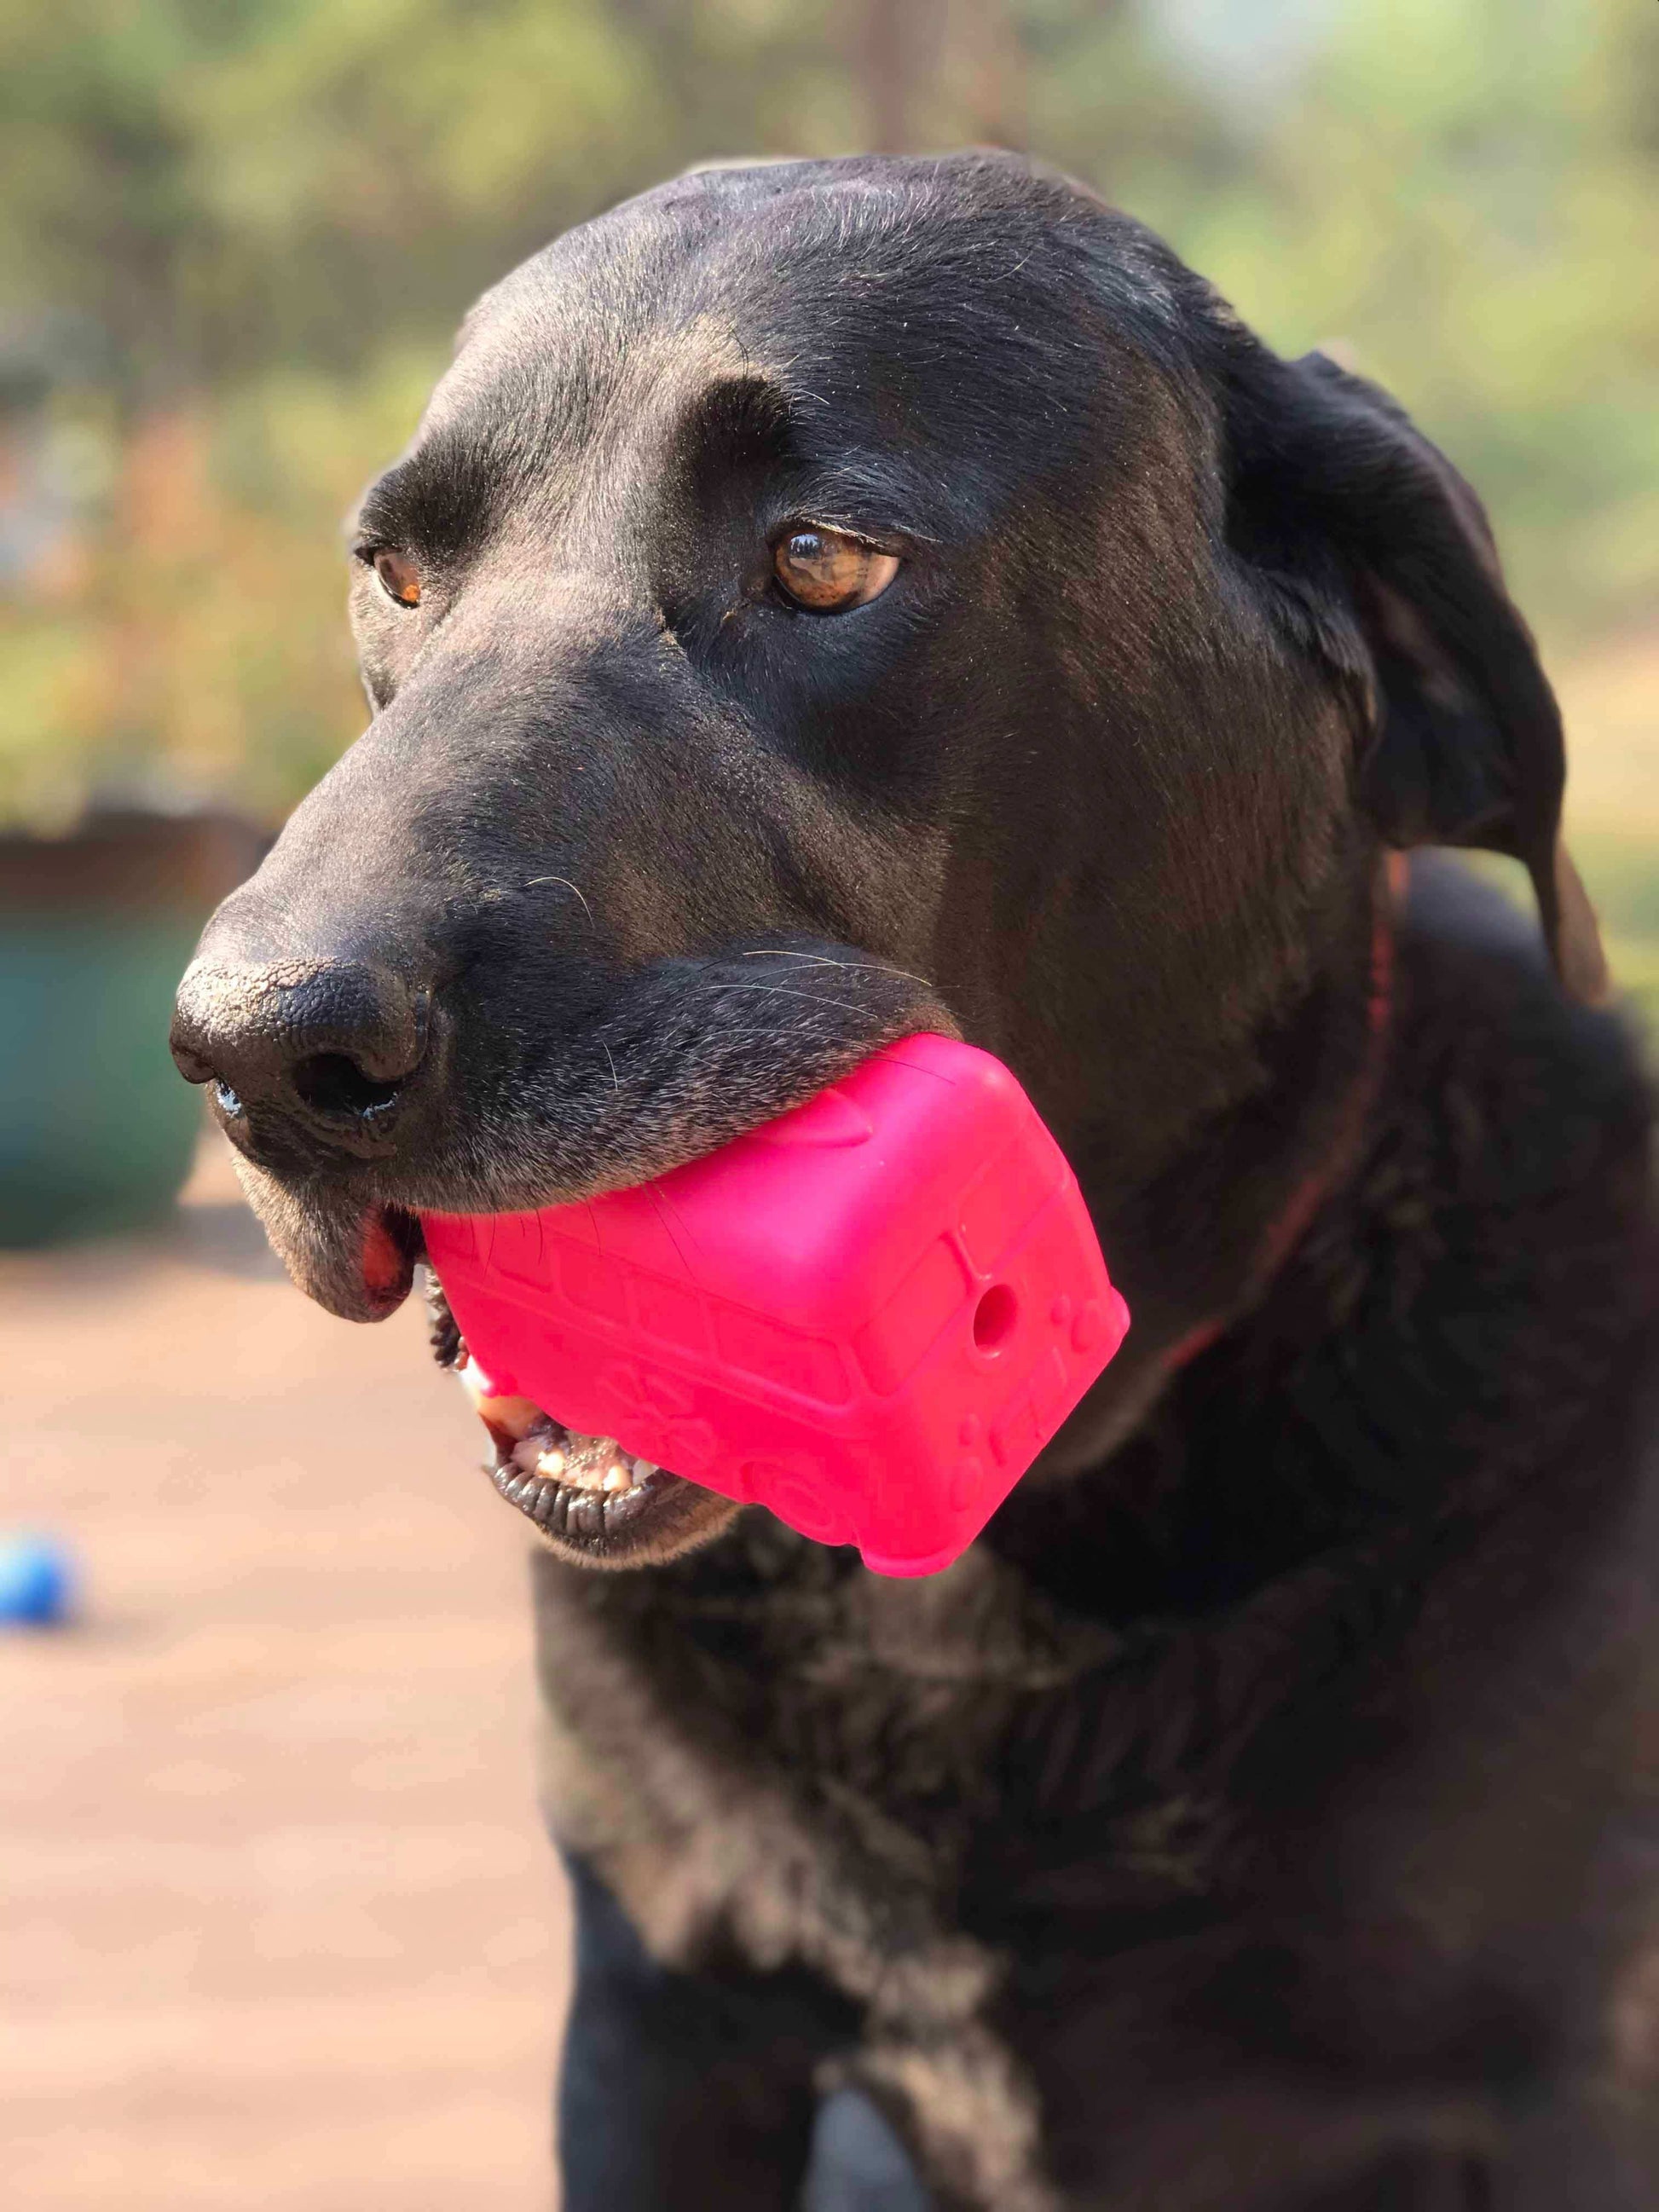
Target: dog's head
x=830, y=600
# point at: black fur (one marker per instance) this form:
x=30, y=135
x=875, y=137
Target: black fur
x=1255, y=1817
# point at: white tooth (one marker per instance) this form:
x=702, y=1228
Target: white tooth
x=551, y=1465
x=643, y=1468
x=616, y=1477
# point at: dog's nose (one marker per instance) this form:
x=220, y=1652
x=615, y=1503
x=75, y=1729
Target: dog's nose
x=320, y=1051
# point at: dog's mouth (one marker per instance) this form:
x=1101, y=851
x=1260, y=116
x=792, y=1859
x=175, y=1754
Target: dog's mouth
x=587, y=1497
x=584, y=1490
x=677, y=1068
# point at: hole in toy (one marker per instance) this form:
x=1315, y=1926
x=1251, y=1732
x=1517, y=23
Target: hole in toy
x=994, y=1318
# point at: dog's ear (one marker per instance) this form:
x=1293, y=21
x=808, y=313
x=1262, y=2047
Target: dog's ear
x=1339, y=498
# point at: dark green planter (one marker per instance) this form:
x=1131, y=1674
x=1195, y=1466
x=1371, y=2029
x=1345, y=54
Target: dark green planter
x=96, y=1128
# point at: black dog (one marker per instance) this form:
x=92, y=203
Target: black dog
x=811, y=580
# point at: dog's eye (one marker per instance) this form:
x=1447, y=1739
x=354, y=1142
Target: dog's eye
x=827, y=571
x=398, y=573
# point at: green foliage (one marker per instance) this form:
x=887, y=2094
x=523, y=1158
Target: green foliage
x=235, y=234
x=1473, y=213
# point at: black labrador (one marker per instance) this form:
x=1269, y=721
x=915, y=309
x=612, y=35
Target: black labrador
x=831, y=600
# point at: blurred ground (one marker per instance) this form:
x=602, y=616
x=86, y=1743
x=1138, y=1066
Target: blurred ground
x=277, y=1924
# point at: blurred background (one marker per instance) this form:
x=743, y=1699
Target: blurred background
x=274, y=1922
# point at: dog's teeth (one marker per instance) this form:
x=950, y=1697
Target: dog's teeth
x=572, y=1478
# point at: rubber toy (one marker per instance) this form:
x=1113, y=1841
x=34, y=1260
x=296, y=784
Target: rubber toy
x=868, y=1316
x=36, y=1581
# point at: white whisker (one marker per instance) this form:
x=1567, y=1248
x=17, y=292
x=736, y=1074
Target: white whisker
x=782, y=991
x=570, y=886
x=823, y=960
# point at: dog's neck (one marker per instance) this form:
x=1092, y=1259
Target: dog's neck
x=1505, y=1147
x=1341, y=1154
x=1195, y=1245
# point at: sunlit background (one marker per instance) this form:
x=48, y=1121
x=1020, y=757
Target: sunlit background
x=277, y=1927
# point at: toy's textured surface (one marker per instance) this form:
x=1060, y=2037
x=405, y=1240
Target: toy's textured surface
x=869, y=1316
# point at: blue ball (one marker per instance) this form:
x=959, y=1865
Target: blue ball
x=36, y=1581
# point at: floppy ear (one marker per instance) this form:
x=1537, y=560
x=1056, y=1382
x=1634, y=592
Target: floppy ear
x=1335, y=492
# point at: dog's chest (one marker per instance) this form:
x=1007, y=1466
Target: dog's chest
x=842, y=1749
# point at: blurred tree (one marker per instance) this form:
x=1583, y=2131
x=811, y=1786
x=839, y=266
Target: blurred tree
x=1475, y=212
x=931, y=72
x=989, y=38
x=235, y=235
x=894, y=47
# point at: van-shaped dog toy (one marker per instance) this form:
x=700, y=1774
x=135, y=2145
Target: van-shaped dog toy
x=868, y=1316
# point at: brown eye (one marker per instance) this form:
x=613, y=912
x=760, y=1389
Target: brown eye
x=401, y=578
x=827, y=571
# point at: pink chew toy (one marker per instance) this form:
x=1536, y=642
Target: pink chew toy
x=869, y=1316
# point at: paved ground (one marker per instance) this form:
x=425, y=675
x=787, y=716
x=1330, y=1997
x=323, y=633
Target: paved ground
x=277, y=1927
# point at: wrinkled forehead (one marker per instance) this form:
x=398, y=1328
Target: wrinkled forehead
x=996, y=340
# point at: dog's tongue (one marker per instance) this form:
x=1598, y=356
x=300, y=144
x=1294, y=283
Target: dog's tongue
x=515, y=1416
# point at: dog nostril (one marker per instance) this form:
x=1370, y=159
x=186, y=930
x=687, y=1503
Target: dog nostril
x=331, y=1084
